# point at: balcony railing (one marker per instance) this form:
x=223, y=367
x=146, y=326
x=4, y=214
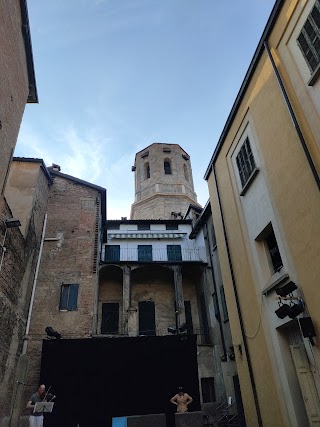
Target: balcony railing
x=203, y=337
x=172, y=254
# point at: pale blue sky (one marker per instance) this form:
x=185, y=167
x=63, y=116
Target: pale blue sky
x=114, y=76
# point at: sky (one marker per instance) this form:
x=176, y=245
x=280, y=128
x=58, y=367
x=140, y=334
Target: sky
x=114, y=76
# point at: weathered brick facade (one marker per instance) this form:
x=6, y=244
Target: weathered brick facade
x=17, y=275
x=76, y=210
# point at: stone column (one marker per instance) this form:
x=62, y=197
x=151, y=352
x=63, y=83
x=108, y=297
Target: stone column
x=181, y=317
x=126, y=296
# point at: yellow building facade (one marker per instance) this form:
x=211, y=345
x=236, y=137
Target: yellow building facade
x=264, y=186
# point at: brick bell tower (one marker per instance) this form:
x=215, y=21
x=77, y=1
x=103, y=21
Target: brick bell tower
x=163, y=182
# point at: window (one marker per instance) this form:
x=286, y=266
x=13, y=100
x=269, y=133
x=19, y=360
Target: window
x=110, y=318
x=245, y=162
x=185, y=171
x=174, y=253
x=144, y=252
x=204, y=318
x=147, y=320
x=111, y=226
x=274, y=252
x=213, y=237
x=188, y=314
x=69, y=297
x=224, y=304
x=208, y=392
x=112, y=253
x=143, y=226
x=146, y=170
x=167, y=167
x=172, y=227
x=309, y=38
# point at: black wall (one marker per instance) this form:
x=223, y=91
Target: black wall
x=97, y=379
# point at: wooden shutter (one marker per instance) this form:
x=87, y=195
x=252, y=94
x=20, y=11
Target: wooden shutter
x=110, y=318
x=147, y=320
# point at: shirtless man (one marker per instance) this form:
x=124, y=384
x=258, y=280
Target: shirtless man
x=181, y=400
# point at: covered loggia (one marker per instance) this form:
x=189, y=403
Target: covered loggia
x=100, y=378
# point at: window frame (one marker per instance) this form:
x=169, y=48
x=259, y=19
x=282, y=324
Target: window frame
x=310, y=45
x=174, y=253
x=110, y=248
x=208, y=385
x=147, y=256
x=69, y=293
x=246, y=164
x=111, y=332
x=167, y=167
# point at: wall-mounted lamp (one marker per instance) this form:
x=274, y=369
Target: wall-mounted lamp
x=9, y=223
x=307, y=328
x=292, y=310
x=286, y=289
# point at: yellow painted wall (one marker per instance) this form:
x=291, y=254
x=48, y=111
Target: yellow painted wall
x=296, y=202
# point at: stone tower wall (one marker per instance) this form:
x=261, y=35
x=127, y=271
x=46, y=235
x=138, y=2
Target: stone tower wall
x=158, y=194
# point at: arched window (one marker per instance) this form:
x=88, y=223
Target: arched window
x=185, y=170
x=146, y=170
x=167, y=167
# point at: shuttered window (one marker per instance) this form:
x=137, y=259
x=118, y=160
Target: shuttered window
x=110, y=318
x=144, y=252
x=147, y=319
x=208, y=391
x=69, y=297
x=174, y=253
x=112, y=253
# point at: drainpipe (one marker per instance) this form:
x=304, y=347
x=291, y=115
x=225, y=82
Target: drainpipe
x=21, y=367
x=245, y=344
x=215, y=289
x=293, y=117
x=24, y=348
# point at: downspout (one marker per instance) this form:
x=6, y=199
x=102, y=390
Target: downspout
x=293, y=117
x=24, y=348
x=245, y=344
x=14, y=416
x=215, y=289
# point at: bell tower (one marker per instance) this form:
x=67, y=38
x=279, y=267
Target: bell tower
x=163, y=182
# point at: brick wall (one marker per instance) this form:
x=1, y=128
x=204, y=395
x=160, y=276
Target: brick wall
x=13, y=81
x=16, y=281
x=69, y=256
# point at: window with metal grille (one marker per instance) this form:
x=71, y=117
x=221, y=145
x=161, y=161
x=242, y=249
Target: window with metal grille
x=112, y=253
x=208, y=391
x=245, y=162
x=174, y=253
x=69, y=297
x=274, y=252
x=110, y=318
x=147, y=319
x=144, y=252
x=167, y=167
x=309, y=38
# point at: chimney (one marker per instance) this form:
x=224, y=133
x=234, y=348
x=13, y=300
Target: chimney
x=56, y=167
